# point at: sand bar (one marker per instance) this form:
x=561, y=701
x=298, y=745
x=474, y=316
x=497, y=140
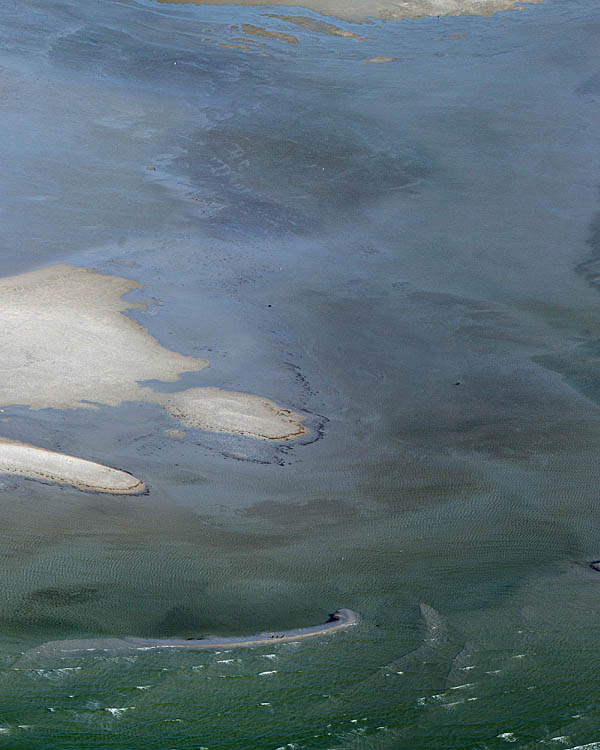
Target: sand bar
x=66, y=344
x=362, y=10
x=342, y=619
x=50, y=466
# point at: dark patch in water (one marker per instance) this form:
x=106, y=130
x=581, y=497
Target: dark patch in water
x=178, y=620
x=316, y=170
x=591, y=87
x=61, y=596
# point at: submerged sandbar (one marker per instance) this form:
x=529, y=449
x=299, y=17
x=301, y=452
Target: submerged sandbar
x=50, y=466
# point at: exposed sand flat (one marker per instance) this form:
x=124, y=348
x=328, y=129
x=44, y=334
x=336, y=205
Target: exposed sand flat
x=66, y=344
x=342, y=619
x=362, y=10
x=217, y=410
x=50, y=466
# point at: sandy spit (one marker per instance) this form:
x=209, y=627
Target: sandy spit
x=342, y=619
x=50, y=466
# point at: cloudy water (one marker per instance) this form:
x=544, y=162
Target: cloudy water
x=406, y=252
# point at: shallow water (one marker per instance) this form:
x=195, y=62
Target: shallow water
x=405, y=252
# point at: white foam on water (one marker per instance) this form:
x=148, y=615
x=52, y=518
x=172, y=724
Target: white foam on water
x=5, y=730
x=590, y=746
x=507, y=737
x=269, y=656
x=118, y=712
x=265, y=703
x=462, y=687
x=143, y=687
x=272, y=671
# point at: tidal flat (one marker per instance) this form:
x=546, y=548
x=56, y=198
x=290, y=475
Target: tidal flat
x=402, y=255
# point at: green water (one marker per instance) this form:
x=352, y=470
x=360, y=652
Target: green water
x=407, y=253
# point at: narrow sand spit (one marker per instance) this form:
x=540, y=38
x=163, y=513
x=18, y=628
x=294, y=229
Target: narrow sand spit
x=49, y=466
x=342, y=619
x=66, y=344
x=363, y=10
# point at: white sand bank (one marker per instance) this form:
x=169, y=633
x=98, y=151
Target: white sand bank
x=217, y=410
x=361, y=10
x=49, y=466
x=66, y=344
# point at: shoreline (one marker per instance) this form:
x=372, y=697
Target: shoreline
x=341, y=619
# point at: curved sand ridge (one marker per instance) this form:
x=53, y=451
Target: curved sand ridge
x=66, y=344
x=362, y=10
x=50, y=466
x=339, y=620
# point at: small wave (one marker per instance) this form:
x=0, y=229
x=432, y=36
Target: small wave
x=507, y=737
x=452, y=704
x=143, y=687
x=118, y=712
x=271, y=671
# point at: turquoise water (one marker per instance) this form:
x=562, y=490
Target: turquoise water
x=407, y=253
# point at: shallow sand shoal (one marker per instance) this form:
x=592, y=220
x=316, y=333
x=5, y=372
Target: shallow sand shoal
x=50, y=466
x=362, y=10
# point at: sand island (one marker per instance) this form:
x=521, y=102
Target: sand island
x=50, y=466
x=341, y=619
x=67, y=344
x=363, y=10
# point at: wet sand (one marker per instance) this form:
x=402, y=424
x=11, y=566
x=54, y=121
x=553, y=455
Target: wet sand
x=341, y=619
x=50, y=466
